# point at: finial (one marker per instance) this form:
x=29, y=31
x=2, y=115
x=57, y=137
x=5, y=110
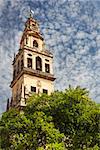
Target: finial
x=31, y=13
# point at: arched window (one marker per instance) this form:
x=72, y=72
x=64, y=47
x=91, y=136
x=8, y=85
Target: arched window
x=14, y=73
x=38, y=63
x=47, y=68
x=29, y=62
x=22, y=64
x=18, y=67
x=35, y=44
x=26, y=40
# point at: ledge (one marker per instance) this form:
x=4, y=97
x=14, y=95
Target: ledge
x=38, y=73
x=35, y=73
x=36, y=50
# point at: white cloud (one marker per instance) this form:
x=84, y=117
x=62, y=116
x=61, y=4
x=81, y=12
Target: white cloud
x=81, y=35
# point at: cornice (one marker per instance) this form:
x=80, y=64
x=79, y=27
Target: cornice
x=33, y=72
x=39, y=52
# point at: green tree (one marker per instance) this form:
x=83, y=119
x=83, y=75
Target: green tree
x=34, y=131
x=61, y=121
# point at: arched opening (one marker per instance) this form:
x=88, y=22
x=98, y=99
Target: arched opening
x=26, y=40
x=18, y=67
x=38, y=63
x=35, y=44
x=29, y=62
x=14, y=72
x=47, y=68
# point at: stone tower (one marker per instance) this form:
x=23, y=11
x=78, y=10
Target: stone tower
x=32, y=66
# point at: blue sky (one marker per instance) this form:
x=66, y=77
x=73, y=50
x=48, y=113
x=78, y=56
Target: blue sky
x=71, y=29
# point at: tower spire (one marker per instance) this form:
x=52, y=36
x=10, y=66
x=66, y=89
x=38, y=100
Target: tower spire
x=32, y=67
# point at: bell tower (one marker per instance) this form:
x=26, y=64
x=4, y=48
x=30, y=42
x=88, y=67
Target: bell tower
x=32, y=66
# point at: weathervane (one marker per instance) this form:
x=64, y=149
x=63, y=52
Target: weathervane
x=31, y=13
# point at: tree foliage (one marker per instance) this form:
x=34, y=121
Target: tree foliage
x=61, y=121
